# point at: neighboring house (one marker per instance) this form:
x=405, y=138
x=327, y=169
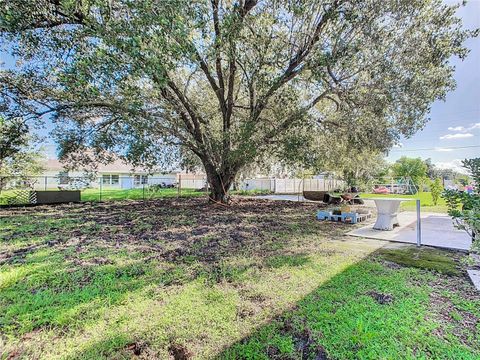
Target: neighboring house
x=114, y=175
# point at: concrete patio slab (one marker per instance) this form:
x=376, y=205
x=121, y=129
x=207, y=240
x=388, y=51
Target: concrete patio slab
x=282, y=197
x=437, y=230
x=475, y=278
x=299, y=197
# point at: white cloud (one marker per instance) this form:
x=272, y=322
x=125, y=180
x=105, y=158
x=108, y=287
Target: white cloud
x=455, y=165
x=456, y=136
x=456, y=128
x=439, y=149
x=471, y=127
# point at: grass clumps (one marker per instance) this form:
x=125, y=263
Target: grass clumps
x=442, y=261
x=258, y=280
x=370, y=311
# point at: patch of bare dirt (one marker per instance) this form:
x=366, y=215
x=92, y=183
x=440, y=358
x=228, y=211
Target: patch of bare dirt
x=305, y=344
x=382, y=299
x=141, y=350
x=179, y=352
x=175, y=230
x=444, y=311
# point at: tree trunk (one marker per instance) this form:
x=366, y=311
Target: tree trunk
x=219, y=187
x=219, y=183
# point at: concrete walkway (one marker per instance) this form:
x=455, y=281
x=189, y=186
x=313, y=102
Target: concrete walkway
x=437, y=230
x=284, y=197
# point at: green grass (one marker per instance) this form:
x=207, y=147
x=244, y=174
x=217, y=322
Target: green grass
x=425, y=201
x=136, y=194
x=257, y=280
x=6, y=196
x=344, y=320
x=423, y=258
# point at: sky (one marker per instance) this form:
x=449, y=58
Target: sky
x=454, y=122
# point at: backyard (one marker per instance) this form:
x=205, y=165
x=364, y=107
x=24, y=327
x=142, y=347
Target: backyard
x=178, y=278
x=425, y=198
x=147, y=193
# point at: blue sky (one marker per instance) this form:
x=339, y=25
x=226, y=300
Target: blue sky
x=454, y=122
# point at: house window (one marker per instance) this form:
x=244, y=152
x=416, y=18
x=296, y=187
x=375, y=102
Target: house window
x=140, y=179
x=110, y=179
x=63, y=177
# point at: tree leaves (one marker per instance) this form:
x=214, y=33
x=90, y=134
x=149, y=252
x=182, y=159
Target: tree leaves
x=233, y=81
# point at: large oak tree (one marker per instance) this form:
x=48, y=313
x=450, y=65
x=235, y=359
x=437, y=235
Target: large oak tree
x=228, y=80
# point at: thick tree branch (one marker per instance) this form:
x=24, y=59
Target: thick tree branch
x=285, y=124
x=218, y=59
x=294, y=67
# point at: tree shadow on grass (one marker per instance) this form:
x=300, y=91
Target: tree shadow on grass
x=278, y=261
x=54, y=295
x=371, y=310
x=121, y=248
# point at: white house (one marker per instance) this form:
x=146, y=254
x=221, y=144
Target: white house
x=114, y=175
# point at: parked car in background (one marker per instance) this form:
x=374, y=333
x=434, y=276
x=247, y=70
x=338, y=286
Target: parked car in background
x=74, y=184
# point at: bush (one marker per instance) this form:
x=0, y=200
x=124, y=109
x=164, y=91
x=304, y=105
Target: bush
x=464, y=207
x=436, y=188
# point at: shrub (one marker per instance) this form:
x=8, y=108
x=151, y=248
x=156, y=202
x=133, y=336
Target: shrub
x=436, y=188
x=464, y=207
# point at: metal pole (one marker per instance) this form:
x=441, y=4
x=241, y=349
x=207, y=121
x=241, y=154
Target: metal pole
x=179, y=185
x=419, y=225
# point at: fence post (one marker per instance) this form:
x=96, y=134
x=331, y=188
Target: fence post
x=179, y=185
x=100, y=187
x=419, y=225
x=46, y=179
x=143, y=190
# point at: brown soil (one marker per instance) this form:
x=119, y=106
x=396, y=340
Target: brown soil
x=176, y=230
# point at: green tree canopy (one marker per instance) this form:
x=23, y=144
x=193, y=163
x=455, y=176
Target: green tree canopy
x=13, y=138
x=228, y=80
x=18, y=156
x=413, y=168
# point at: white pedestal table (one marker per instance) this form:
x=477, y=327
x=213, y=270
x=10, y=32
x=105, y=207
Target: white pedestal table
x=387, y=210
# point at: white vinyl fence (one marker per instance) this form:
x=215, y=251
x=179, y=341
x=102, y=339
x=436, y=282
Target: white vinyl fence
x=292, y=186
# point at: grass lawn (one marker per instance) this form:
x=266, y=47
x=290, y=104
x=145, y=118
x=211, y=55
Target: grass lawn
x=119, y=194
x=136, y=194
x=178, y=278
x=425, y=201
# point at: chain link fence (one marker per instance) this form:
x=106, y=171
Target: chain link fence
x=64, y=188
x=107, y=187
